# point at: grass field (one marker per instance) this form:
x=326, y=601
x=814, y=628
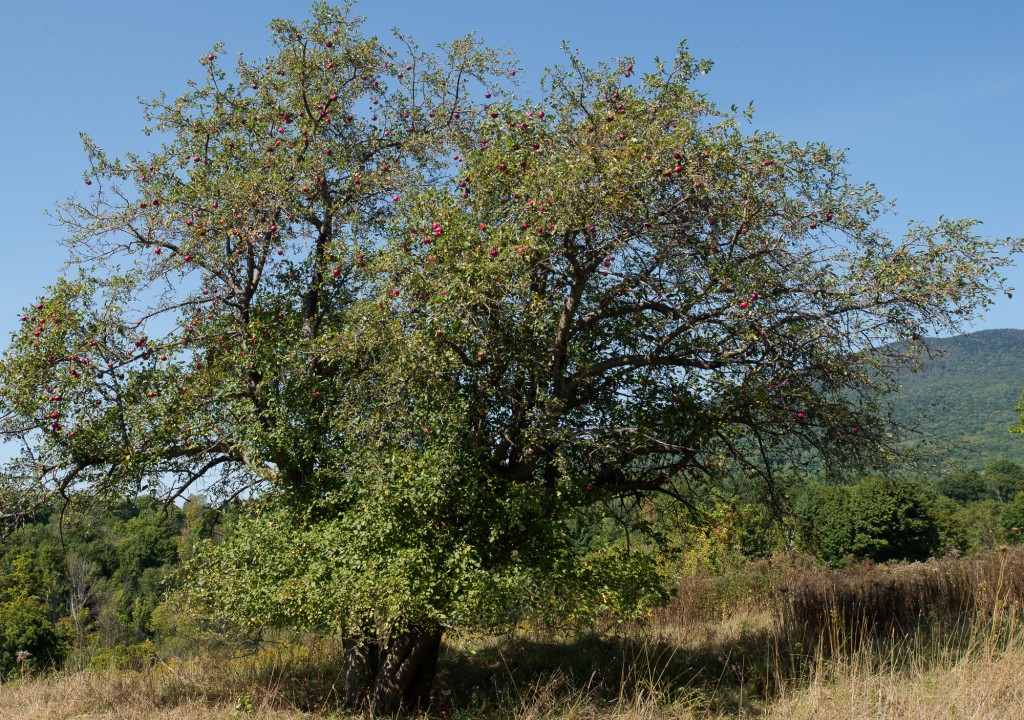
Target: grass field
x=781, y=640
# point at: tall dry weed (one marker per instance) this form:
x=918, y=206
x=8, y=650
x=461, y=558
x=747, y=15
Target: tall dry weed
x=866, y=600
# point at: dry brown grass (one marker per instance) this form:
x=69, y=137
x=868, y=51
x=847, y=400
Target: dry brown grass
x=114, y=696
x=271, y=684
x=985, y=681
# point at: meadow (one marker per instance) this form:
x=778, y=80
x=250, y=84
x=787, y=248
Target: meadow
x=781, y=638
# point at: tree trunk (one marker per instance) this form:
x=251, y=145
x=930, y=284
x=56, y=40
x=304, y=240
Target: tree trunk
x=392, y=674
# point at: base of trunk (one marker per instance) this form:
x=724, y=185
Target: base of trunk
x=392, y=674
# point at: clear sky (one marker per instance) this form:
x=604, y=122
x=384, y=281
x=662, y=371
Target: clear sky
x=927, y=96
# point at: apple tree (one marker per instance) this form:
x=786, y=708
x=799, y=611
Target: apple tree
x=439, y=334
x=616, y=297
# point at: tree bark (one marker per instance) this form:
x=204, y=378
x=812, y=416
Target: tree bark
x=392, y=674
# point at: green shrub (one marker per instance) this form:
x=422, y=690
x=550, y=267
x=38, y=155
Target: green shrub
x=25, y=627
x=137, y=656
x=1013, y=519
x=983, y=525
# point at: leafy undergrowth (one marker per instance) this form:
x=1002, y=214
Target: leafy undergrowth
x=735, y=645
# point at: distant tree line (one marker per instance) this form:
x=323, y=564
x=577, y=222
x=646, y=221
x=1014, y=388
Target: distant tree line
x=79, y=586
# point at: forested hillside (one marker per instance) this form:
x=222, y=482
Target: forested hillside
x=967, y=393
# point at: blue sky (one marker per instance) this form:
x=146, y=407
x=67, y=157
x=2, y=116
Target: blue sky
x=927, y=97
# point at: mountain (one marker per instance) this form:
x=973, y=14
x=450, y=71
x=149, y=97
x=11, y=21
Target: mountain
x=967, y=393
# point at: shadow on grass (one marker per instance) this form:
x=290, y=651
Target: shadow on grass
x=730, y=668
x=731, y=677
x=739, y=675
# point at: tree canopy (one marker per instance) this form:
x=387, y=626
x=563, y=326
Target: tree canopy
x=877, y=518
x=438, y=328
